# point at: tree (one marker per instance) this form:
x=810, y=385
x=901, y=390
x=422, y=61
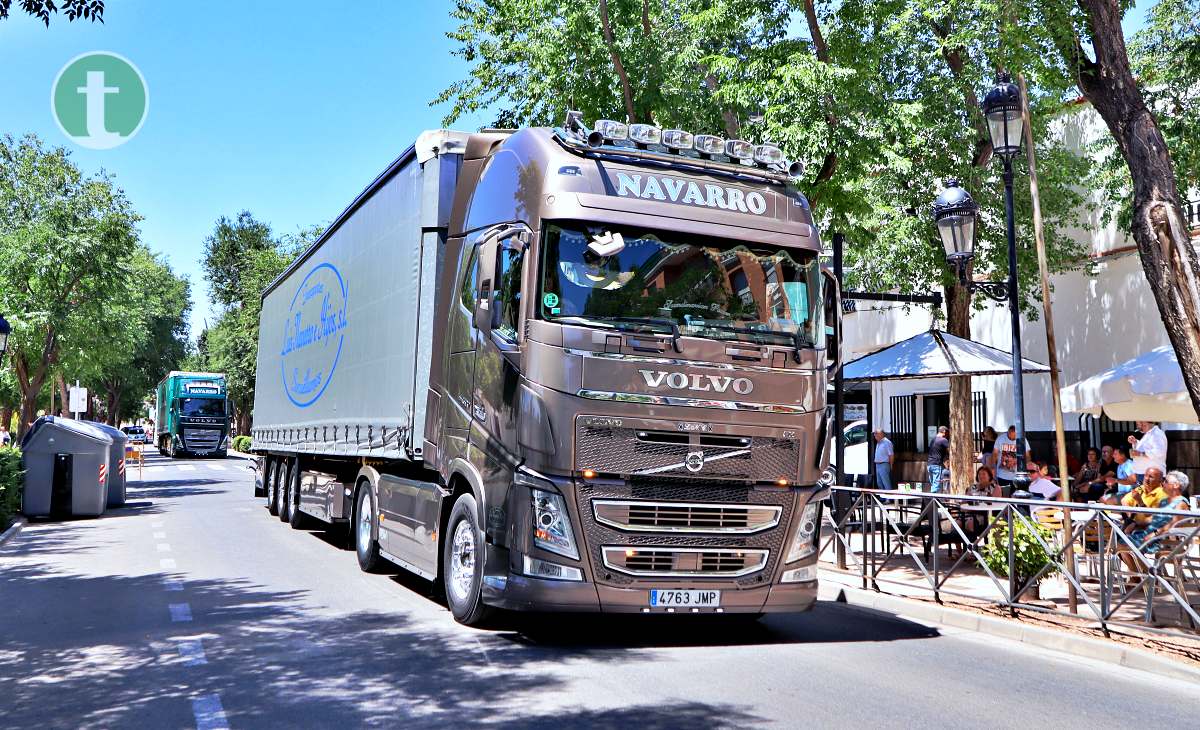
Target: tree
x=241, y=259
x=65, y=243
x=879, y=100
x=92, y=10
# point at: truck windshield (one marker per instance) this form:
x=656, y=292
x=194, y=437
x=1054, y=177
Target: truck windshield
x=202, y=406
x=708, y=288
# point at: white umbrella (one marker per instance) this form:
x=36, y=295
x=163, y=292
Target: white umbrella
x=935, y=354
x=1147, y=388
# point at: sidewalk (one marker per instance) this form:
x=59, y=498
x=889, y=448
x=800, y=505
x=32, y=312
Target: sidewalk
x=1171, y=657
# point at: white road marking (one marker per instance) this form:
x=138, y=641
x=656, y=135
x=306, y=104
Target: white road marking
x=171, y=584
x=186, y=467
x=192, y=652
x=160, y=536
x=218, y=467
x=163, y=547
x=156, y=523
x=209, y=713
x=180, y=612
x=167, y=564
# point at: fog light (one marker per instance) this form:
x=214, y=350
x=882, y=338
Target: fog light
x=709, y=144
x=768, y=154
x=800, y=575
x=612, y=130
x=739, y=149
x=552, y=571
x=645, y=133
x=677, y=139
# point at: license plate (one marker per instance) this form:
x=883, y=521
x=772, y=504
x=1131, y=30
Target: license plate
x=660, y=598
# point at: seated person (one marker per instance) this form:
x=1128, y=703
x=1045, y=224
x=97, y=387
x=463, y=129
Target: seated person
x=1168, y=494
x=985, y=483
x=1039, y=485
x=1088, y=486
x=1124, y=481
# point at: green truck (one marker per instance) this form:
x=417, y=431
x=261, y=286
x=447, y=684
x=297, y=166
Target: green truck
x=191, y=415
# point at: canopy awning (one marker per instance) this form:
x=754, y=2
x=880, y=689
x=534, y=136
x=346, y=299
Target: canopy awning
x=935, y=354
x=1147, y=388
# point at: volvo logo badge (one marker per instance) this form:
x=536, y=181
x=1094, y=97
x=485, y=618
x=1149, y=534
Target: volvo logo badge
x=696, y=382
x=694, y=461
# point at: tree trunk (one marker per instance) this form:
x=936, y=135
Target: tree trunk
x=64, y=397
x=1170, y=262
x=962, y=436
x=243, y=421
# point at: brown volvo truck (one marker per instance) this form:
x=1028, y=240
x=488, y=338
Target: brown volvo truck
x=567, y=369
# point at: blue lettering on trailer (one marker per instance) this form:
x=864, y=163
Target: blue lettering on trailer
x=313, y=334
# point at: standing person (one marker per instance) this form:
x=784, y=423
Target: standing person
x=986, y=457
x=1148, y=451
x=1006, y=443
x=885, y=459
x=939, y=452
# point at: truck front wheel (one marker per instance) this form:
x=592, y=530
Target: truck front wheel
x=365, y=545
x=462, y=564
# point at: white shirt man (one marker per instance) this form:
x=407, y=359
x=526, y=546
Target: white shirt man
x=1040, y=485
x=1150, y=450
x=885, y=457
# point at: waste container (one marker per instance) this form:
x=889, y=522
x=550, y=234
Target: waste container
x=116, y=462
x=66, y=468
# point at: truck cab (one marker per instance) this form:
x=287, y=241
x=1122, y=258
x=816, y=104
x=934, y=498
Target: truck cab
x=192, y=415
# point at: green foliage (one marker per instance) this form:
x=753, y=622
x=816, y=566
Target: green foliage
x=12, y=483
x=241, y=259
x=1030, y=555
x=1165, y=56
x=880, y=100
x=242, y=443
x=92, y=10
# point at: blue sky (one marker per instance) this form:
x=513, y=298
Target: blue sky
x=283, y=109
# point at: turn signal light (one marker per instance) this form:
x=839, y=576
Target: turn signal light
x=589, y=474
x=782, y=482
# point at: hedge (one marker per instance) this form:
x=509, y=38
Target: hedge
x=241, y=443
x=12, y=481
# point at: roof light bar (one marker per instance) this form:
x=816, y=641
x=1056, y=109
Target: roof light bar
x=677, y=139
x=709, y=144
x=739, y=149
x=612, y=130
x=768, y=154
x=645, y=133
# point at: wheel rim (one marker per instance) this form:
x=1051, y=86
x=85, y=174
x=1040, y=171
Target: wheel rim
x=280, y=486
x=462, y=561
x=364, y=523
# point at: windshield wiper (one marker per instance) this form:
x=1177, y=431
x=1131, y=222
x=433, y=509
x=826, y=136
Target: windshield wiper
x=608, y=322
x=656, y=320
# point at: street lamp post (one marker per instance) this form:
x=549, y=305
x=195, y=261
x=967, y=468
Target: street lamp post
x=955, y=212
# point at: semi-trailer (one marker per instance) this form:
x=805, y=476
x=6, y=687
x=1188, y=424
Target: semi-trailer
x=191, y=414
x=562, y=369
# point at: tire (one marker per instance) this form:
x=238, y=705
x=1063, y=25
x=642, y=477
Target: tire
x=462, y=564
x=222, y=454
x=366, y=547
x=273, y=486
x=285, y=492
x=269, y=483
x=297, y=519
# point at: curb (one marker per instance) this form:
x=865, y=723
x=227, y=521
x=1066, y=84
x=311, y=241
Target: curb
x=12, y=531
x=1052, y=639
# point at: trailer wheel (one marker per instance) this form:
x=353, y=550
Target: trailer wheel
x=285, y=491
x=269, y=483
x=296, y=518
x=273, y=485
x=363, y=526
x=462, y=564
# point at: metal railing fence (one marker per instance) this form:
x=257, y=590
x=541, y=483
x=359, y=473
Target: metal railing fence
x=873, y=532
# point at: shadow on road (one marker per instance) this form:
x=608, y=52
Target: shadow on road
x=168, y=488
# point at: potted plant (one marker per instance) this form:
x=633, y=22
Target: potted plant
x=1029, y=552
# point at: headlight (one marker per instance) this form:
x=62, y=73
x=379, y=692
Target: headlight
x=552, y=524
x=804, y=542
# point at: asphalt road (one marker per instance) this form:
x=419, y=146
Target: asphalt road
x=192, y=607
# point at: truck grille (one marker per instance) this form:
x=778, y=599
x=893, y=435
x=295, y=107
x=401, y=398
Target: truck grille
x=644, y=452
x=201, y=439
x=683, y=562
x=685, y=517
x=599, y=536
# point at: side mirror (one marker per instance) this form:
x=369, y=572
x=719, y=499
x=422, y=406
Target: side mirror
x=833, y=321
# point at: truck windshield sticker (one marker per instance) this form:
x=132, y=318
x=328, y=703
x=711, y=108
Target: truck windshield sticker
x=550, y=299
x=313, y=333
x=688, y=192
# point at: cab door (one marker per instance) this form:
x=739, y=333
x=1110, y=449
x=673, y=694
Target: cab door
x=461, y=341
